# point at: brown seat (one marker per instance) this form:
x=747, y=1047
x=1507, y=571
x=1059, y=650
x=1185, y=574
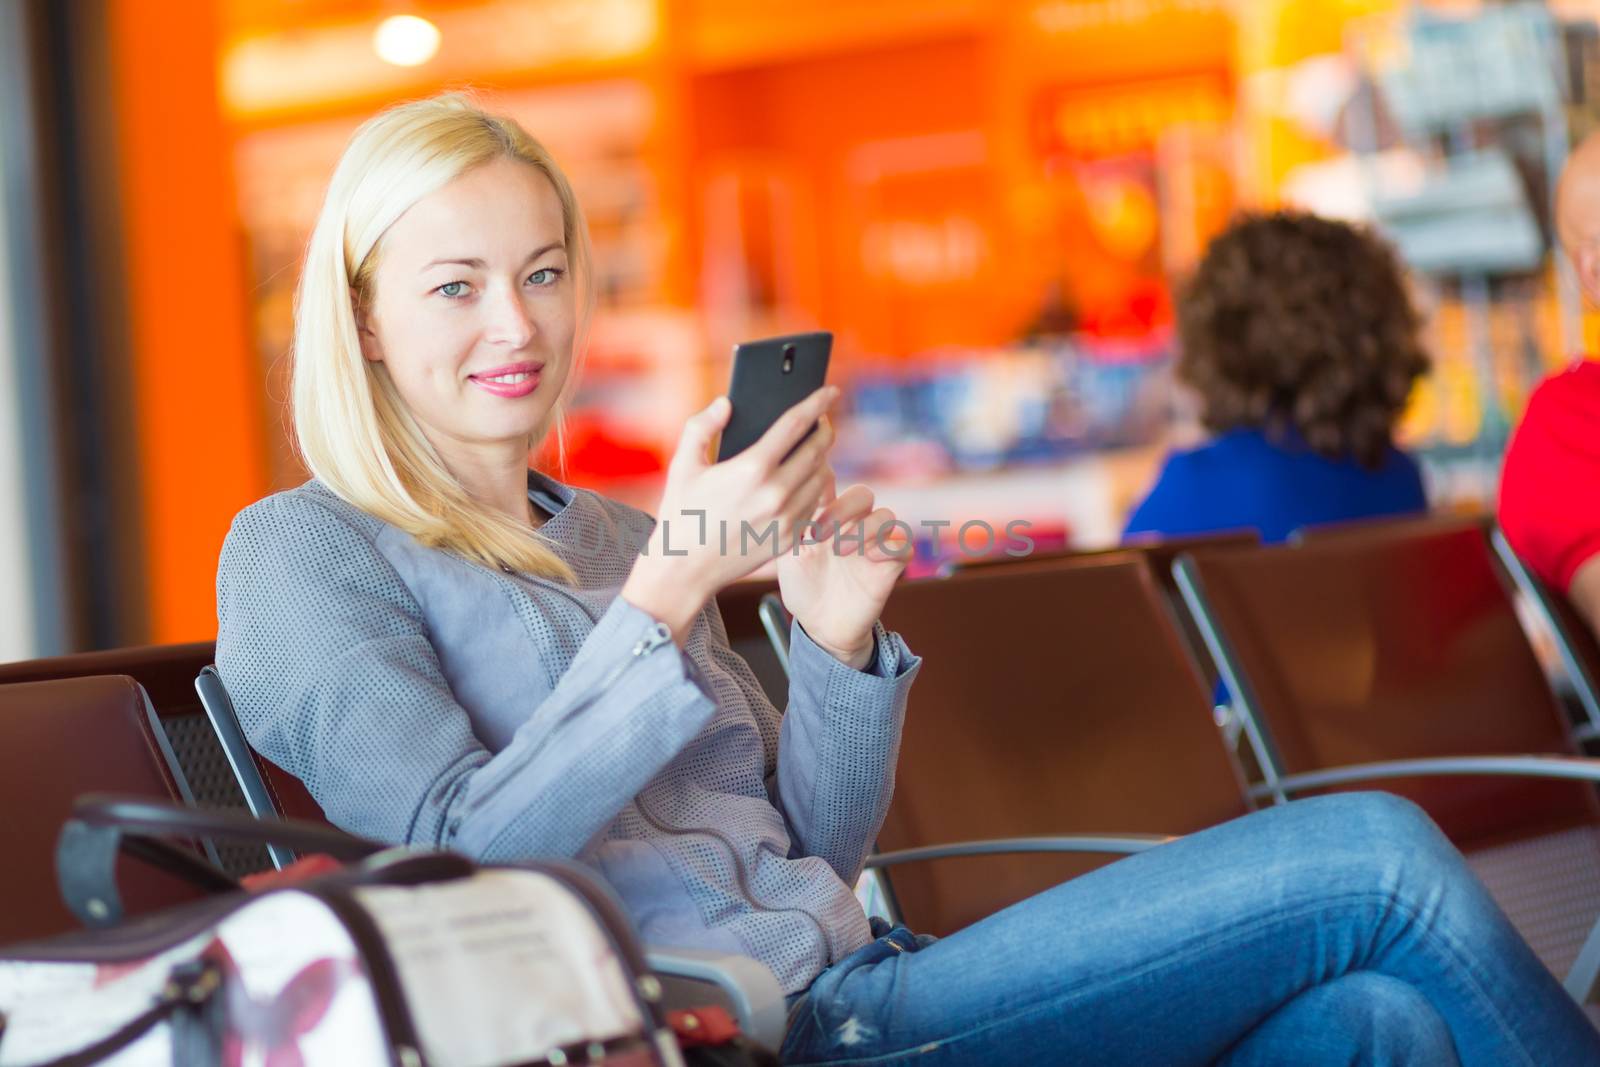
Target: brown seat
x=1402, y=644
x=293, y=799
x=1160, y=553
x=167, y=673
x=59, y=740
x=1421, y=525
x=1052, y=700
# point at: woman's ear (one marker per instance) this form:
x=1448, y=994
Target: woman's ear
x=370, y=349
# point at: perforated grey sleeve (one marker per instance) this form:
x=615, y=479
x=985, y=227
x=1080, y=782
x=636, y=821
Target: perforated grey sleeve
x=325, y=653
x=838, y=746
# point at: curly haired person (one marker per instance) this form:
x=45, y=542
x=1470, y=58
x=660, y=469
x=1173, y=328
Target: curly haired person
x=1299, y=337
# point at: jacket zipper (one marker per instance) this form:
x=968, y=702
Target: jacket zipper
x=739, y=873
x=657, y=636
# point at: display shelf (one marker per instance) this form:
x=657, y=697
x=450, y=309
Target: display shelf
x=1088, y=496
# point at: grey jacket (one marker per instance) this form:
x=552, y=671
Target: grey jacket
x=430, y=701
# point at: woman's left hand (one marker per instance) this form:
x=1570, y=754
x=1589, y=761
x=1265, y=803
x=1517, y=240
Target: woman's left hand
x=836, y=580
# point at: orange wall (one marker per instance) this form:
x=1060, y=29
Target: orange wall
x=861, y=138
x=197, y=397
x=930, y=141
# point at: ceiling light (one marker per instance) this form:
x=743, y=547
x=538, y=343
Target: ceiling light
x=406, y=40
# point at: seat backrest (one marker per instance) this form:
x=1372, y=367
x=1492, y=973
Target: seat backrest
x=740, y=607
x=1159, y=553
x=1051, y=700
x=60, y=739
x=167, y=674
x=1389, y=527
x=1396, y=645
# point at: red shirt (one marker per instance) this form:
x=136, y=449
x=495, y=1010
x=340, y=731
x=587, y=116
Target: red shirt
x=1550, y=486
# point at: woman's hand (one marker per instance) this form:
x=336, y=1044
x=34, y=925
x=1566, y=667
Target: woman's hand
x=837, y=582
x=717, y=522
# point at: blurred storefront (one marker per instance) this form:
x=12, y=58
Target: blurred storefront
x=987, y=203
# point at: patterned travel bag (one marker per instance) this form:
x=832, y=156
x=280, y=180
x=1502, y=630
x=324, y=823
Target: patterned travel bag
x=403, y=959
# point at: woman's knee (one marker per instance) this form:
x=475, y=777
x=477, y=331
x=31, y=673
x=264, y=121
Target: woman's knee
x=1377, y=840
x=1360, y=1018
x=1385, y=822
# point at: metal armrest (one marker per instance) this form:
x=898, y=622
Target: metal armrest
x=1572, y=768
x=775, y=621
x=742, y=985
x=1121, y=843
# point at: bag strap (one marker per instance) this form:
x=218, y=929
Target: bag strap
x=103, y=826
x=190, y=992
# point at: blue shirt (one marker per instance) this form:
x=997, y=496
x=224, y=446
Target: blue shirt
x=1243, y=480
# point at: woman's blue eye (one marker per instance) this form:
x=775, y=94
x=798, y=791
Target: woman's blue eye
x=545, y=276
x=451, y=289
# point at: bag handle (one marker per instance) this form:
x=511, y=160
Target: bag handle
x=102, y=826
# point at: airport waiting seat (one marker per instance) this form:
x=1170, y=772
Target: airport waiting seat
x=1393, y=658
x=1055, y=699
x=1392, y=526
x=59, y=739
x=1159, y=553
x=957, y=860
x=1562, y=638
x=166, y=672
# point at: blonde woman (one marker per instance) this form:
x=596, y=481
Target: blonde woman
x=453, y=651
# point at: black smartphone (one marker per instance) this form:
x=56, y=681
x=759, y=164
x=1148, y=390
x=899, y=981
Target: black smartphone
x=770, y=377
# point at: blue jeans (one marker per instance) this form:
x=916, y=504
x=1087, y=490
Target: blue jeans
x=1337, y=930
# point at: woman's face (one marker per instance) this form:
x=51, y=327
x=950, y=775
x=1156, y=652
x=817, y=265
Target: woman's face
x=473, y=309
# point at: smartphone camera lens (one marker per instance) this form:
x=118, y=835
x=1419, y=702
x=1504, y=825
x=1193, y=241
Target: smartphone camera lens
x=788, y=358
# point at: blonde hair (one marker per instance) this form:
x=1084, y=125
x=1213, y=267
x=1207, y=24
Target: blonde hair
x=355, y=433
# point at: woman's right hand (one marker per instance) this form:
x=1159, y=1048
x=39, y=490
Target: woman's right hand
x=717, y=522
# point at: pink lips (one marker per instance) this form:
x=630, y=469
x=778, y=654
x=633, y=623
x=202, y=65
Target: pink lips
x=528, y=379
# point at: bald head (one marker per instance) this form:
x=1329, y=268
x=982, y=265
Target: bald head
x=1578, y=213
